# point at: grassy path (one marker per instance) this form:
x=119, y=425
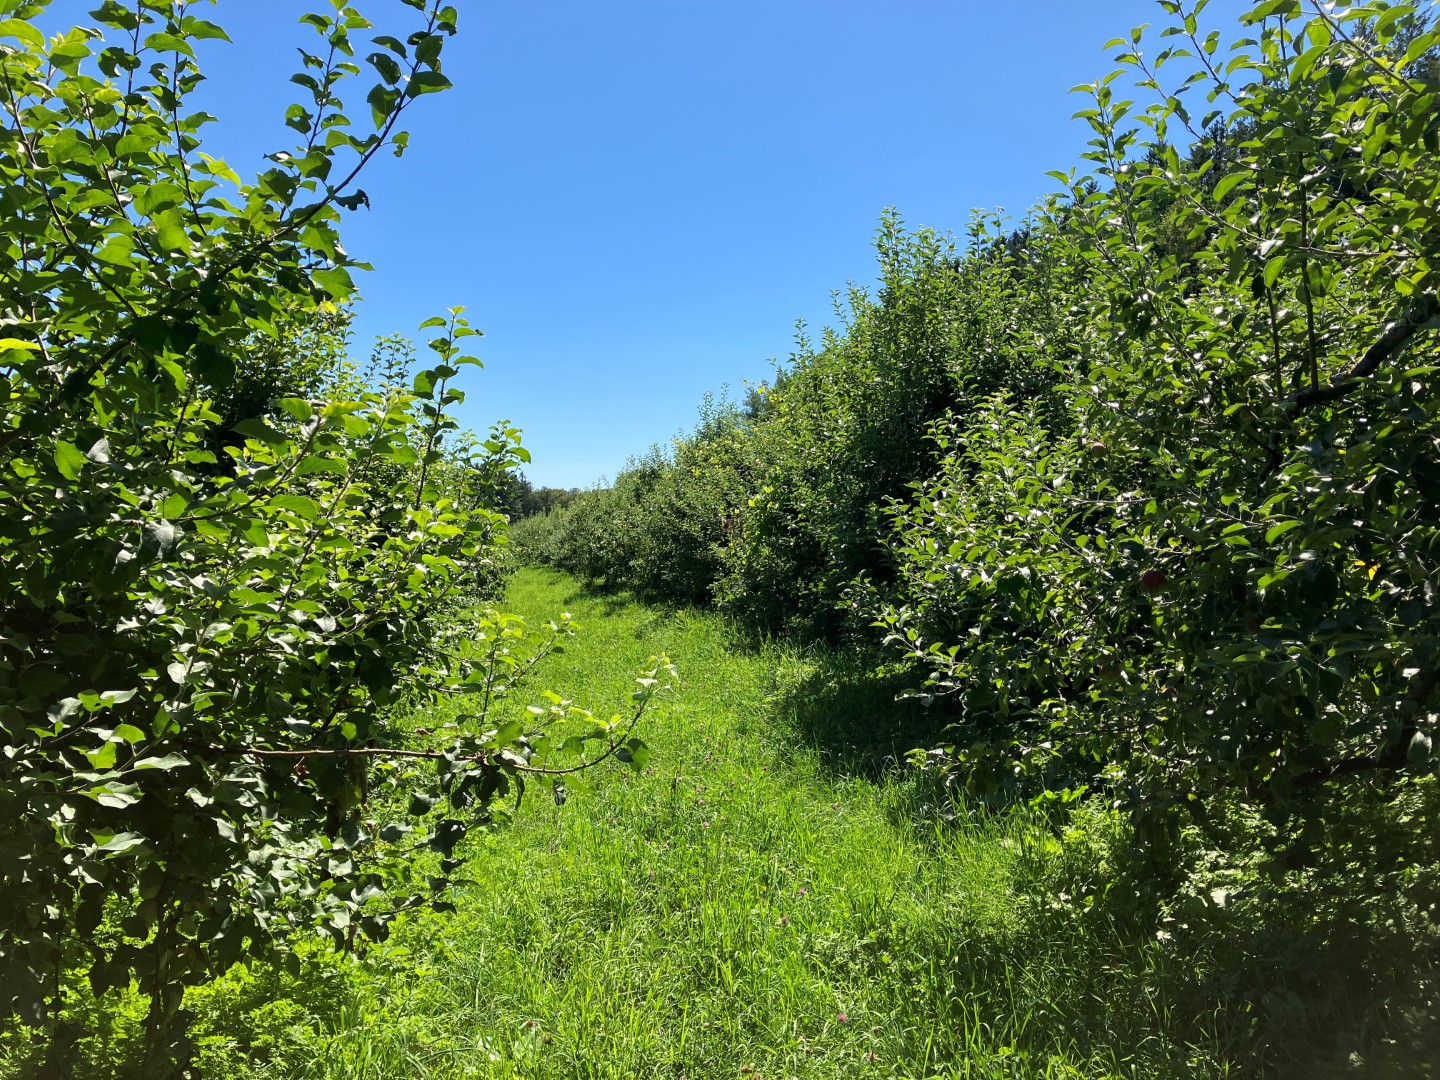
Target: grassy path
x=742, y=909
x=766, y=900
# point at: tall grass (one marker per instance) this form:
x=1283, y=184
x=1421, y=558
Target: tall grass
x=748, y=906
x=771, y=898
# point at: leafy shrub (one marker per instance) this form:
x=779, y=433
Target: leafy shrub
x=1017, y=613
x=773, y=510
x=540, y=538
x=661, y=528
x=844, y=426
x=203, y=629
x=1223, y=585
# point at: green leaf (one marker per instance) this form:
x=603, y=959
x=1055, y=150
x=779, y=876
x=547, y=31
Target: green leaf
x=1228, y=184
x=115, y=796
x=427, y=49
x=1306, y=61
x=166, y=763
x=299, y=408
x=117, y=251
x=260, y=431
x=300, y=505
x=121, y=842
x=170, y=231
x=336, y=281
x=426, y=82
x=204, y=31
x=103, y=758
x=158, y=198
x=1273, y=268
x=1271, y=7
x=68, y=459
x=23, y=31
x=382, y=101
x=506, y=734
x=1276, y=531
x=388, y=69
x=162, y=536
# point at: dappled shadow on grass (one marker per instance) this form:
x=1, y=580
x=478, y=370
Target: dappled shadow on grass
x=256, y=1019
x=836, y=699
x=610, y=600
x=847, y=709
x=1042, y=936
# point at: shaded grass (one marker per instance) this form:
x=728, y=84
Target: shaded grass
x=836, y=703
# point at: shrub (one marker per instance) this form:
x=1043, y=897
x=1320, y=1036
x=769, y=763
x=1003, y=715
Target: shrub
x=202, y=630
x=844, y=427
x=661, y=528
x=1222, y=585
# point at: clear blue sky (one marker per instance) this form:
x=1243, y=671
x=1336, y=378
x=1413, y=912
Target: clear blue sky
x=636, y=199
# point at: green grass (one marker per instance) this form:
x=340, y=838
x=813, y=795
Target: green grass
x=770, y=898
x=748, y=907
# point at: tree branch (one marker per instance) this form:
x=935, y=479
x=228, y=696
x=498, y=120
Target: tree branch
x=1422, y=314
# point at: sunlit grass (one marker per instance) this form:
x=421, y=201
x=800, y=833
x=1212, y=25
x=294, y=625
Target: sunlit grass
x=775, y=897
x=745, y=907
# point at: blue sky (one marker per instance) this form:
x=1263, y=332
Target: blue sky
x=636, y=199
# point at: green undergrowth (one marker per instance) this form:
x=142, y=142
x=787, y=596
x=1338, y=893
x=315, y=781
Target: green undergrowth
x=757, y=902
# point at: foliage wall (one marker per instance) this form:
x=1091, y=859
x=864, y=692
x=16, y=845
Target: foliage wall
x=225, y=555
x=1145, y=491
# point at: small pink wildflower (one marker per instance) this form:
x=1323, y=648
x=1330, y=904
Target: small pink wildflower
x=803, y=890
x=842, y=1018
x=704, y=824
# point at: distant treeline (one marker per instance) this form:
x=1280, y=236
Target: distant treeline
x=522, y=499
